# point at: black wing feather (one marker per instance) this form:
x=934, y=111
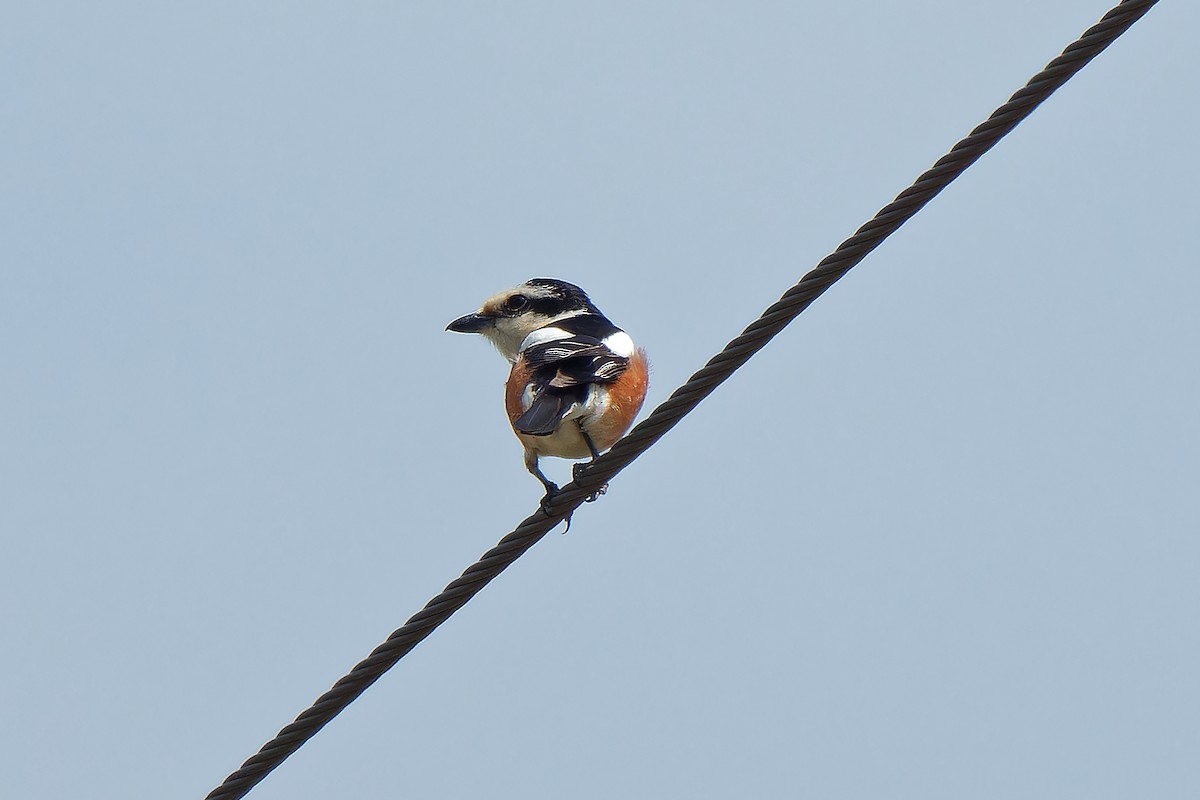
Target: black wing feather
x=563, y=370
x=562, y=349
x=544, y=416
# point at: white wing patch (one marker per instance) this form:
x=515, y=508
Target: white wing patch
x=619, y=343
x=543, y=335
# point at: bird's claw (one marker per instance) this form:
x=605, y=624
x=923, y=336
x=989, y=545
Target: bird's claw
x=594, y=496
x=548, y=498
x=551, y=493
x=577, y=472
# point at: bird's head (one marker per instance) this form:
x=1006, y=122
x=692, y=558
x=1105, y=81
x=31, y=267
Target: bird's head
x=508, y=317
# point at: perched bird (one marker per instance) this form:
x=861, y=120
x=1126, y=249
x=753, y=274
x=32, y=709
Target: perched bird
x=577, y=380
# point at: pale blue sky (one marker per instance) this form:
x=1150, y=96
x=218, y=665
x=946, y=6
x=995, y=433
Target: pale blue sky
x=940, y=540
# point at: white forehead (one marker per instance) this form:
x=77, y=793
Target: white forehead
x=495, y=305
x=534, y=292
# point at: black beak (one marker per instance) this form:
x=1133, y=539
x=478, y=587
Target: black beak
x=471, y=323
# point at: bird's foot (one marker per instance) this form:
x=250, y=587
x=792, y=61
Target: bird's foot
x=548, y=498
x=551, y=493
x=577, y=471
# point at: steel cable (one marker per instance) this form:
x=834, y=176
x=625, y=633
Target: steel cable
x=685, y=398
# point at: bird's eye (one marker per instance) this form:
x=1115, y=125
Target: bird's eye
x=516, y=302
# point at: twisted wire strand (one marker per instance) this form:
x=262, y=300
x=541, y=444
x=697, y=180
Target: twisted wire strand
x=685, y=398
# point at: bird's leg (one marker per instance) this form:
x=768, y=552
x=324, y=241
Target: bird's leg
x=531, y=464
x=577, y=469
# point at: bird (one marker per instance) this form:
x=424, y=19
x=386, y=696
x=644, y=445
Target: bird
x=577, y=381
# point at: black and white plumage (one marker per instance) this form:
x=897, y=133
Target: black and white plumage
x=577, y=380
